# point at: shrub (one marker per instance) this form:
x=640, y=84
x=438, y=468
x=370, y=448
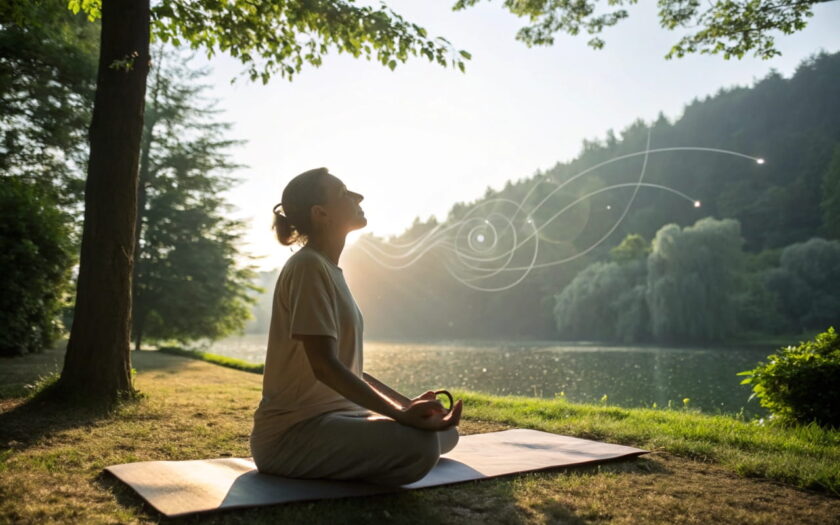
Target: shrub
x=35, y=260
x=801, y=384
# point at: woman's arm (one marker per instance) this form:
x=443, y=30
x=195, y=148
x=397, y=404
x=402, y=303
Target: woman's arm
x=385, y=390
x=322, y=352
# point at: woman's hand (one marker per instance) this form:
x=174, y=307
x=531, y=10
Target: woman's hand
x=429, y=395
x=428, y=414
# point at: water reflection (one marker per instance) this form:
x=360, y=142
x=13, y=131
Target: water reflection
x=628, y=376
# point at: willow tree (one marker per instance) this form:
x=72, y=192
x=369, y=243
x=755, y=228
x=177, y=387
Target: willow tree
x=694, y=274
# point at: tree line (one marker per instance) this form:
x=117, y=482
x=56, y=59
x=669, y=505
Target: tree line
x=743, y=269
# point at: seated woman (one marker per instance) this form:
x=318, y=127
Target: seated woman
x=320, y=416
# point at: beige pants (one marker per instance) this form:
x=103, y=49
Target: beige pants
x=355, y=445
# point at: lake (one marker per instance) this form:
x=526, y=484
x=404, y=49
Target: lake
x=629, y=376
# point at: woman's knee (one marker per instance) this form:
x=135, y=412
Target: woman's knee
x=448, y=439
x=420, y=454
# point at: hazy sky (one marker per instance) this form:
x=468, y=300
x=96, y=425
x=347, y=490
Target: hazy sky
x=416, y=140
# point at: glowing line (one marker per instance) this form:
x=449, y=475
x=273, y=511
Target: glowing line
x=436, y=237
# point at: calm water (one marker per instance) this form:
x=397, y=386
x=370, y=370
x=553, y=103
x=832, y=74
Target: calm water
x=630, y=376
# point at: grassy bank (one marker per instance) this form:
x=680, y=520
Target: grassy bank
x=229, y=362
x=702, y=469
x=808, y=457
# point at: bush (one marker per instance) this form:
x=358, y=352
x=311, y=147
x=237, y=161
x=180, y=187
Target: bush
x=801, y=384
x=35, y=261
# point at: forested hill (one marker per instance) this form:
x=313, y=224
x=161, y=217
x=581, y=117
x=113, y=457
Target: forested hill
x=791, y=123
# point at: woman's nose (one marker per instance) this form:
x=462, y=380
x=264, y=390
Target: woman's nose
x=358, y=196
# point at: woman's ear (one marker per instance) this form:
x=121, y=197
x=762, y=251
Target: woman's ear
x=318, y=215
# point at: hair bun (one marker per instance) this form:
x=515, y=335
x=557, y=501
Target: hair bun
x=277, y=209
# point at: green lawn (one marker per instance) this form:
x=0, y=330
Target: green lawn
x=702, y=469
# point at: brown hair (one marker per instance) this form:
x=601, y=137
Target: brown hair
x=292, y=219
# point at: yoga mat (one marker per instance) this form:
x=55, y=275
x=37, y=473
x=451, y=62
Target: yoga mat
x=176, y=488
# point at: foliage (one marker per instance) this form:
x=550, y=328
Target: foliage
x=279, y=38
x=606, y=301
x=799, y=384
x=188, y=279
x=633, y=247
x=692, y=275
x=830, y=204
x=805, y=283
x=229, y=362
x=35, y=261
x=759, y=309
x=732, y=28
x=47, y=77
x=683, y=291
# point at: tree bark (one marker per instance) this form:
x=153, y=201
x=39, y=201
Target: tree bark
x=97, y=364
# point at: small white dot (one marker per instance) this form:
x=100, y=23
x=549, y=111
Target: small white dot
x=609, y=207
x=696, y=204
x=759, y=161
x=480, y=237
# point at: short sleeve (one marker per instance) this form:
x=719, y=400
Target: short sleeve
x=312, y=300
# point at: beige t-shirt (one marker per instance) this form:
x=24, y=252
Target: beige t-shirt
x=311, y=298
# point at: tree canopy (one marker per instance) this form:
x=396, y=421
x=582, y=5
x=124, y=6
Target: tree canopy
x=47, y=76
x=731, y=28
x=274, y=38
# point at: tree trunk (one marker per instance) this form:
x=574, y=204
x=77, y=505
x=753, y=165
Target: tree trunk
x=98, y=365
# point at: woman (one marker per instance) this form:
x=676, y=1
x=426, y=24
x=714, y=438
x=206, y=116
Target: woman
x=320, y=416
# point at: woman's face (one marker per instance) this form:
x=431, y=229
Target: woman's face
x=341, y=211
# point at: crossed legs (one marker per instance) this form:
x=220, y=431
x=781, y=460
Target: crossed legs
x=356, y=445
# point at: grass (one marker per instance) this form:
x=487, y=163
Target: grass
x=702, y=468
x=805, y=456
x=230, y=362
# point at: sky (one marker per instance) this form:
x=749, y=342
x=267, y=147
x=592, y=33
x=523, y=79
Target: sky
x=418, y=139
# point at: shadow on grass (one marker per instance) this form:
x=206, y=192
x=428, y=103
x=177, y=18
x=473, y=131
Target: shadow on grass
x=49, y=411
x=151, y=360
x=484, y=501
